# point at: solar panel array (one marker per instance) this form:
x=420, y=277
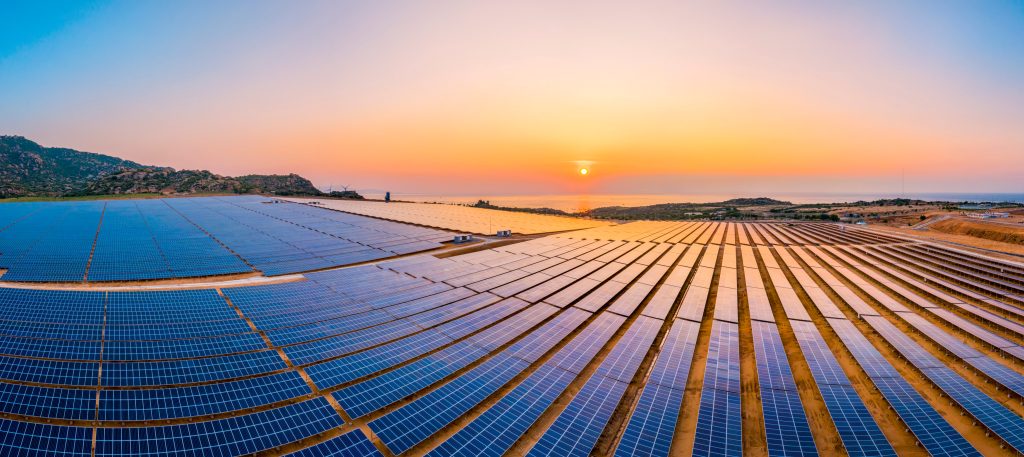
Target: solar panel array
x=132, y=240
x=459, y=218
x=642, y=339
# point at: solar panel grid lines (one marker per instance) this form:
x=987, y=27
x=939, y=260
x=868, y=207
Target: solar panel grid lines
x=857, y=428
x=933, y=431
x=995, y=266
x=403, y=349
x=994, y=321
x=948, y=343
x=993, y=415
x=414, y=422
x=499, y=427
x=727, y=296
x=231, y=436
x=652, y=424
x=718, y=429
x=350, y=444
x=579, y=349
x=30, y=438
x=986, y=276
x=578, y=427
x=968, y=287
x=530, y=346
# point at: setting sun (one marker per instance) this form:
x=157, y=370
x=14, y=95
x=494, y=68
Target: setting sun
x=584, y=171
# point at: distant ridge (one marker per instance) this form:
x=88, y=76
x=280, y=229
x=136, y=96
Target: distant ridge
x=28, y=169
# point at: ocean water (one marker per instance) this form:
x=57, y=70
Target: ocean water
x=572, y=203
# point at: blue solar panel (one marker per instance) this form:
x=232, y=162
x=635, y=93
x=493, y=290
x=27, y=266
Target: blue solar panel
x=995, y=416
x=785, y=423
x=351, y=444
x=76, y=374
x=165, y=307
x=1005, y=424
x=723, y=364
x=50, y=349
x=786, y=427
x=53, y=306
x=773, y=371
x=823, y=365
x=719, y=432
x=653, y=423
x=48, y=402
x=577, y=428
x=184, y=372
x=351, y=367
x=498, y=428
x=375, y=393
x=402, y=429
x=28, y=438
x=202, y=400
x=935, y=434
x=625, y=358
x=51, y=331
x=578, y=353
x=860, y=433
x=858, y=430
x=182, y=349
x=534, y=345
x=225, y=437
x=164, y=373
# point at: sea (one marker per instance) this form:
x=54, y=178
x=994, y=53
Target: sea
x=576, y=203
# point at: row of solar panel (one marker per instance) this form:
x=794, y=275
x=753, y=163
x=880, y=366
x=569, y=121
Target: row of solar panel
x=128, y=240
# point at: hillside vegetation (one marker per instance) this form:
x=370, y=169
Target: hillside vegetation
x=30, y=170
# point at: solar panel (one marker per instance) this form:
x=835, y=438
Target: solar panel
x=373, y=394
x=995, y=416
x=201, y=400
x=719, y=432
x=176, y=372
x=652, y=425
x=409, y=346
x=498, y=428
x=404, y=428
x=351, y=444
x=785, y=423
x=860, y=434
x=629, y=352
x=76, y=374
x=577, y=428
x=577, y=354
x=723, y=363
x=934, y=433
x=30, y=438
x=224, y=437
x=48, y=402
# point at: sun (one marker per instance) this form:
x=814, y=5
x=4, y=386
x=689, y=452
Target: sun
x=584, y=171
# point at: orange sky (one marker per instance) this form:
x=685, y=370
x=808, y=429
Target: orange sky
x=463, y=97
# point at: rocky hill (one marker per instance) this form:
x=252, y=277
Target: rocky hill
x=28, y=169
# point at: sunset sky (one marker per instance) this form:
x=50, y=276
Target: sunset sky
x=508, y=97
